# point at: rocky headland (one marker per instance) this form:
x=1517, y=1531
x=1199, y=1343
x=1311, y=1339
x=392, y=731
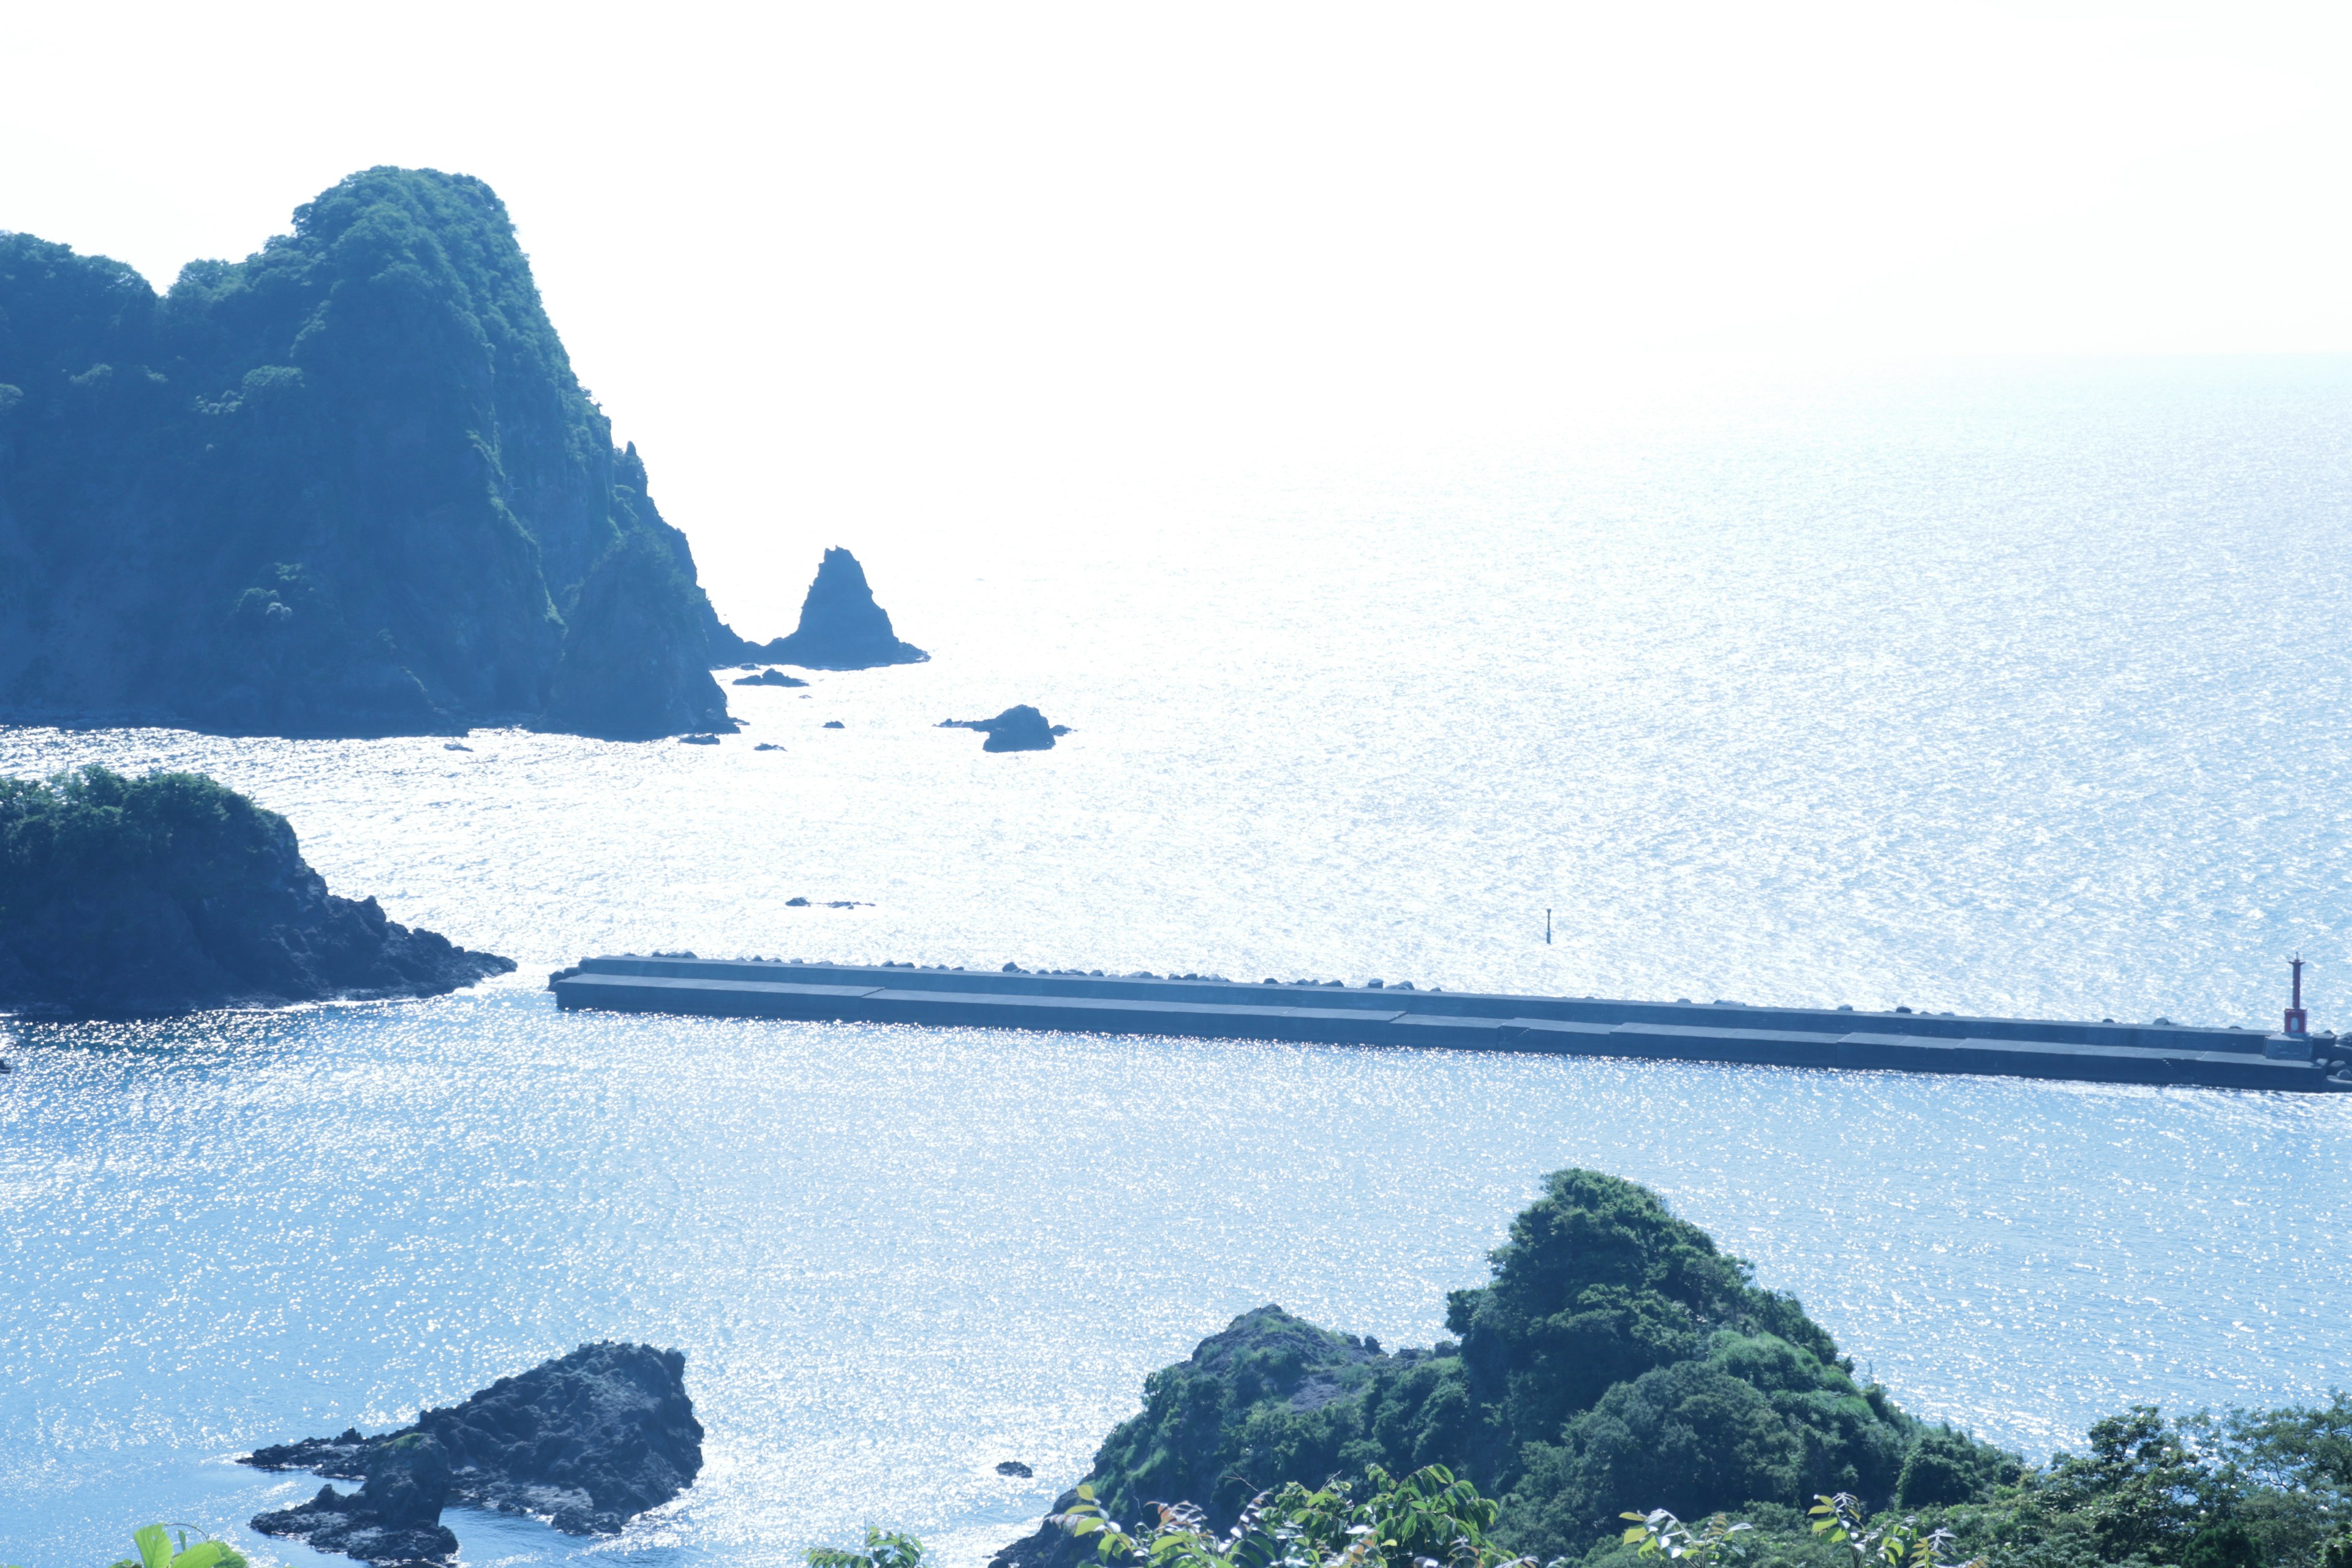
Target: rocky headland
x=123, y=897
x=1616, y=1360
x=347, y=486
x=1020, y=728
x=840, y=625
x=587, y=1441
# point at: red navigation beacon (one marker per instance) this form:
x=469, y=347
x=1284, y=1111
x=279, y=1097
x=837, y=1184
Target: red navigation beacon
x=2296, y=1022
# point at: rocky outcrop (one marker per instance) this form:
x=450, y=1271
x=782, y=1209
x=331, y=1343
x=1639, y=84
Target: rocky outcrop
x=1615, y=1360
x=168, y=893
x=347, y=486
x=393, y=1520
x=840, y=625
x=1018, y=729
x=769, y=677
x=588, y=1440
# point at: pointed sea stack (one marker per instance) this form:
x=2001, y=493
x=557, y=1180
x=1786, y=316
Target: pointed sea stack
x=840, y=625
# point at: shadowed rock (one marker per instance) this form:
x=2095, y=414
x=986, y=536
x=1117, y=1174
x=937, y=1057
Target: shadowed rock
x=634, y=663
x=1020, y=728
x=770, y=678
x=840, y=625
x=588, y=1440
x=168, y=893
x=393, y=1519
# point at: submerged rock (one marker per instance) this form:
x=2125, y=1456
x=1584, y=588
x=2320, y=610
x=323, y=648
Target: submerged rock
x=698, y=740
x=840, y=625
x=769, y=677
x=589, y=1440
x=394, y=1518
x=1018, y=729
x=133, y=898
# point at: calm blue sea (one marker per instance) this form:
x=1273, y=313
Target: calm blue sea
x=1997, y=688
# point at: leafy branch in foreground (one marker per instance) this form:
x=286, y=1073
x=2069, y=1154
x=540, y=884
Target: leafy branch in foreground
x=1427, y=1519
x=1842, y=1520
x=1658, y=1533
x=884, y=1549
x=154, y=1543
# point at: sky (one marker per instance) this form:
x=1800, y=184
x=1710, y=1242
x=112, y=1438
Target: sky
x=882, y=272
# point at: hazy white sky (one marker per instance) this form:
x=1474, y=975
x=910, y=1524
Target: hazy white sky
x=860, y=272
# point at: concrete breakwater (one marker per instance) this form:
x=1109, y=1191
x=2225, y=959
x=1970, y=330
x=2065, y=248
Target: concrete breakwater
x=1554, y=1026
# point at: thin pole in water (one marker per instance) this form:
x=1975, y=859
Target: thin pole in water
x=1547, y=928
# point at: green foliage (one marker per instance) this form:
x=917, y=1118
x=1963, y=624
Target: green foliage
x=64, y=832
x=1427, y=1518
x=1881, y=1543
x=2248, y=1490
x=884, y=1549
x=1658, y=1533
x=378, y=396
x=156, y=1550
x=1616, y=1360
x=2222, y=1543
x=1946, y=1466
x=2139, y=1490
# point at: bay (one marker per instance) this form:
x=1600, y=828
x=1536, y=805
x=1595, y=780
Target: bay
x=1995, y=688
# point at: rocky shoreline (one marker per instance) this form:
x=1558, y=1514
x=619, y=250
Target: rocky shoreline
x=141, y=897
x=586, y=1441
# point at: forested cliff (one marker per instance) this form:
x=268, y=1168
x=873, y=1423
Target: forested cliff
x=349, y=485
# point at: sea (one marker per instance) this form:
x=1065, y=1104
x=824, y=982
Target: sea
x=2014, y=688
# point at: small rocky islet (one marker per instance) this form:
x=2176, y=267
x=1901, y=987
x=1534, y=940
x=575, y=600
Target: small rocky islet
x=586, y=1441
x=1020, y=728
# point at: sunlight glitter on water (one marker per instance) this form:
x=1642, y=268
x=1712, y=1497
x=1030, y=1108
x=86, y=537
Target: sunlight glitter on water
x=1974, y=697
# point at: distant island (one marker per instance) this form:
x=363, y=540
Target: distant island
x=123, y=897
x=347, y=486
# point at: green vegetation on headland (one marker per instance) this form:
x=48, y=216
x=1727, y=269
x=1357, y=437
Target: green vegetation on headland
x=1618, y=1364
x=172, y=892
x=348, y=485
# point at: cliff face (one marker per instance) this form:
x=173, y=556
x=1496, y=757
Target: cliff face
x=130, y=897
x=346, y=486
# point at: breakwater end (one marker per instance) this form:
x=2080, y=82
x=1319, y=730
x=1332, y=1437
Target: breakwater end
x=1333, y=1014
